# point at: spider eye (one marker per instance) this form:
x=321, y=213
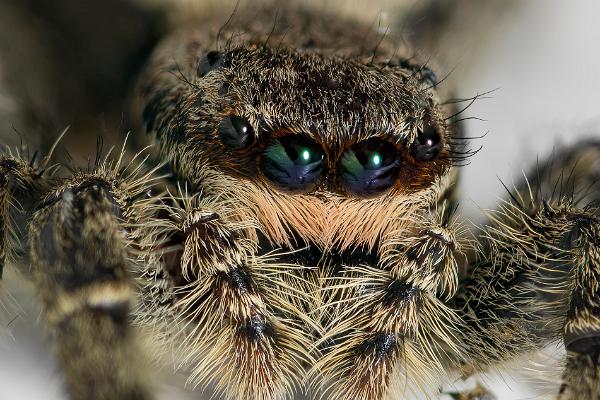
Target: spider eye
x=428, y=145
x=293, y=162
x=236, y=132
x=210, y=61
x=370, y=166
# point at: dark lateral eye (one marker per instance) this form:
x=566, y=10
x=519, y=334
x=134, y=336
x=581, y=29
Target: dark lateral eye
x=210, y=61
x=294, y=162
x=236, y=132
x=370, y=166
x=428, y=145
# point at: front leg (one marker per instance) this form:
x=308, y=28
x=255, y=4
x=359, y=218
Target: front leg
x=233, y=315
x=388, y=328
x=538, y=279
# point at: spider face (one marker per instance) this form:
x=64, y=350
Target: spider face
x=303, y=240
x=334, y=159
x=308, y=144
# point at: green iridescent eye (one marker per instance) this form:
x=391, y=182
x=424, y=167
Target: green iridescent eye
x=293, y=162
x=370, y=166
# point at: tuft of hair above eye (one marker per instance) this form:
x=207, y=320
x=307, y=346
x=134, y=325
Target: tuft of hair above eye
x=236, y=132
x=428, y=144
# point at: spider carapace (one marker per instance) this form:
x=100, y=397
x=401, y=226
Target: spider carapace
x=306, y=239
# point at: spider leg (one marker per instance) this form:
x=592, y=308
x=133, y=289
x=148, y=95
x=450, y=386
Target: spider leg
x=81, y=259
x=20, y=184
x=388, y=328
x=229, y=313
x=538, y=276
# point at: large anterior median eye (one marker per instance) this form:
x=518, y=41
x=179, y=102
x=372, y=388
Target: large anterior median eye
x=370, y=166
x=293, y=162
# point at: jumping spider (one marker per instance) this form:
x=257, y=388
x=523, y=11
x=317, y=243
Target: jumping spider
x=305, y=237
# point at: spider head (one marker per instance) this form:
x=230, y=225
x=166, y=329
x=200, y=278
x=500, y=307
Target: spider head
x=328, y=148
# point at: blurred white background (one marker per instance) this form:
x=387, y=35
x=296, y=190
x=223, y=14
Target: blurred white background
x=542, y=56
